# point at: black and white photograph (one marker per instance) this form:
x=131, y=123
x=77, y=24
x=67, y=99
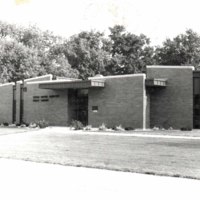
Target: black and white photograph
x=99, y=100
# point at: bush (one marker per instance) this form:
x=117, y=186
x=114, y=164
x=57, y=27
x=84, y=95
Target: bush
x=77, y=125
x=119, y=128
x=186, y=129
x=102, y=127
x=23, y=125
x=129, y=128
x=33, y=125
x=5, y=123
x=42, y=123
x=88, y=128
x=155, y=128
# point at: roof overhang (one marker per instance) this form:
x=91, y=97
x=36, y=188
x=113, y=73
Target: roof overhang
x=85, y=84
x=156, y=82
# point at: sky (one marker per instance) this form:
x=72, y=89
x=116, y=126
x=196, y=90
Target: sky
x=157, y=19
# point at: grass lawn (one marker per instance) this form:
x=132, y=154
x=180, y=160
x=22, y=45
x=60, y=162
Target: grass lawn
x=161, y=156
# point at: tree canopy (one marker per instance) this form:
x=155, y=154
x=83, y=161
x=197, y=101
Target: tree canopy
x=27, y=52
x=85, y=52
x=129, y=53
x=184, y=49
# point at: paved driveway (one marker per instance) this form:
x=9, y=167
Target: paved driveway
x=26, y=180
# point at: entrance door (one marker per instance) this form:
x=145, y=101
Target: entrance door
x=78, y=105
x=196, y=103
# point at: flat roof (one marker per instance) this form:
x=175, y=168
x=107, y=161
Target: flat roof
x=170, y=67
x=72, y=84
x=117, y=76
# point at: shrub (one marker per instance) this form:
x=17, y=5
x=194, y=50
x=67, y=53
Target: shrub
x=186, y=129
x=5, y=123
x=129, y=128
x=33, y=125
x=102, y=127
x=88, y=128
x=119, y=128
x=77, y=125
x=155, y=128
x=42, y=123
x=12, y=125
x=26, y=124
x=23, y=125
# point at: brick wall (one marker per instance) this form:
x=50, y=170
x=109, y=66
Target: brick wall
x=120, y=102
x=55, y=110
x=172, y=106
x=6, y=103
x=18, y=86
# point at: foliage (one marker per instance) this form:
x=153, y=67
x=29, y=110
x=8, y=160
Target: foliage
x=85, y=53
x=184, y=49
x=5, y=123
x=129, y=128
x=76, y=125
x=17, y=61
x=186, y=129
x=130, y=53
x=33, y=125
x=42, y=123
x=119, y=128
x=88, y=128
x=102, y=127
x=29, y=52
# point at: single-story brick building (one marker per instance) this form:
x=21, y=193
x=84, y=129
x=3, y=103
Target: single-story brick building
x=164, y=96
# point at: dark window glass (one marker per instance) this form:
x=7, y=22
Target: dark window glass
x=94, y=108
x=54, y=96
x=45, y=100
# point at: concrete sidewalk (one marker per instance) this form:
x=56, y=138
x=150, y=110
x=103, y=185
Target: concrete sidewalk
x=27, y=180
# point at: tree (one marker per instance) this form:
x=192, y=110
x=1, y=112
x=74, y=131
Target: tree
x=17, y=61
x=184, y=49
x=29, y=52
x=130, y=53
x=85, y=52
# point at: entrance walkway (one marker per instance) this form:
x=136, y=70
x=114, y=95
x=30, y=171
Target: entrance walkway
x=27, y=180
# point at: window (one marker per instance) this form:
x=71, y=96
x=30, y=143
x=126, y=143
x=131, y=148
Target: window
x=25, y=89
x=36, y=98
x=40, y=98
x=54, y=96
x=95, y=108
x=45, y=100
